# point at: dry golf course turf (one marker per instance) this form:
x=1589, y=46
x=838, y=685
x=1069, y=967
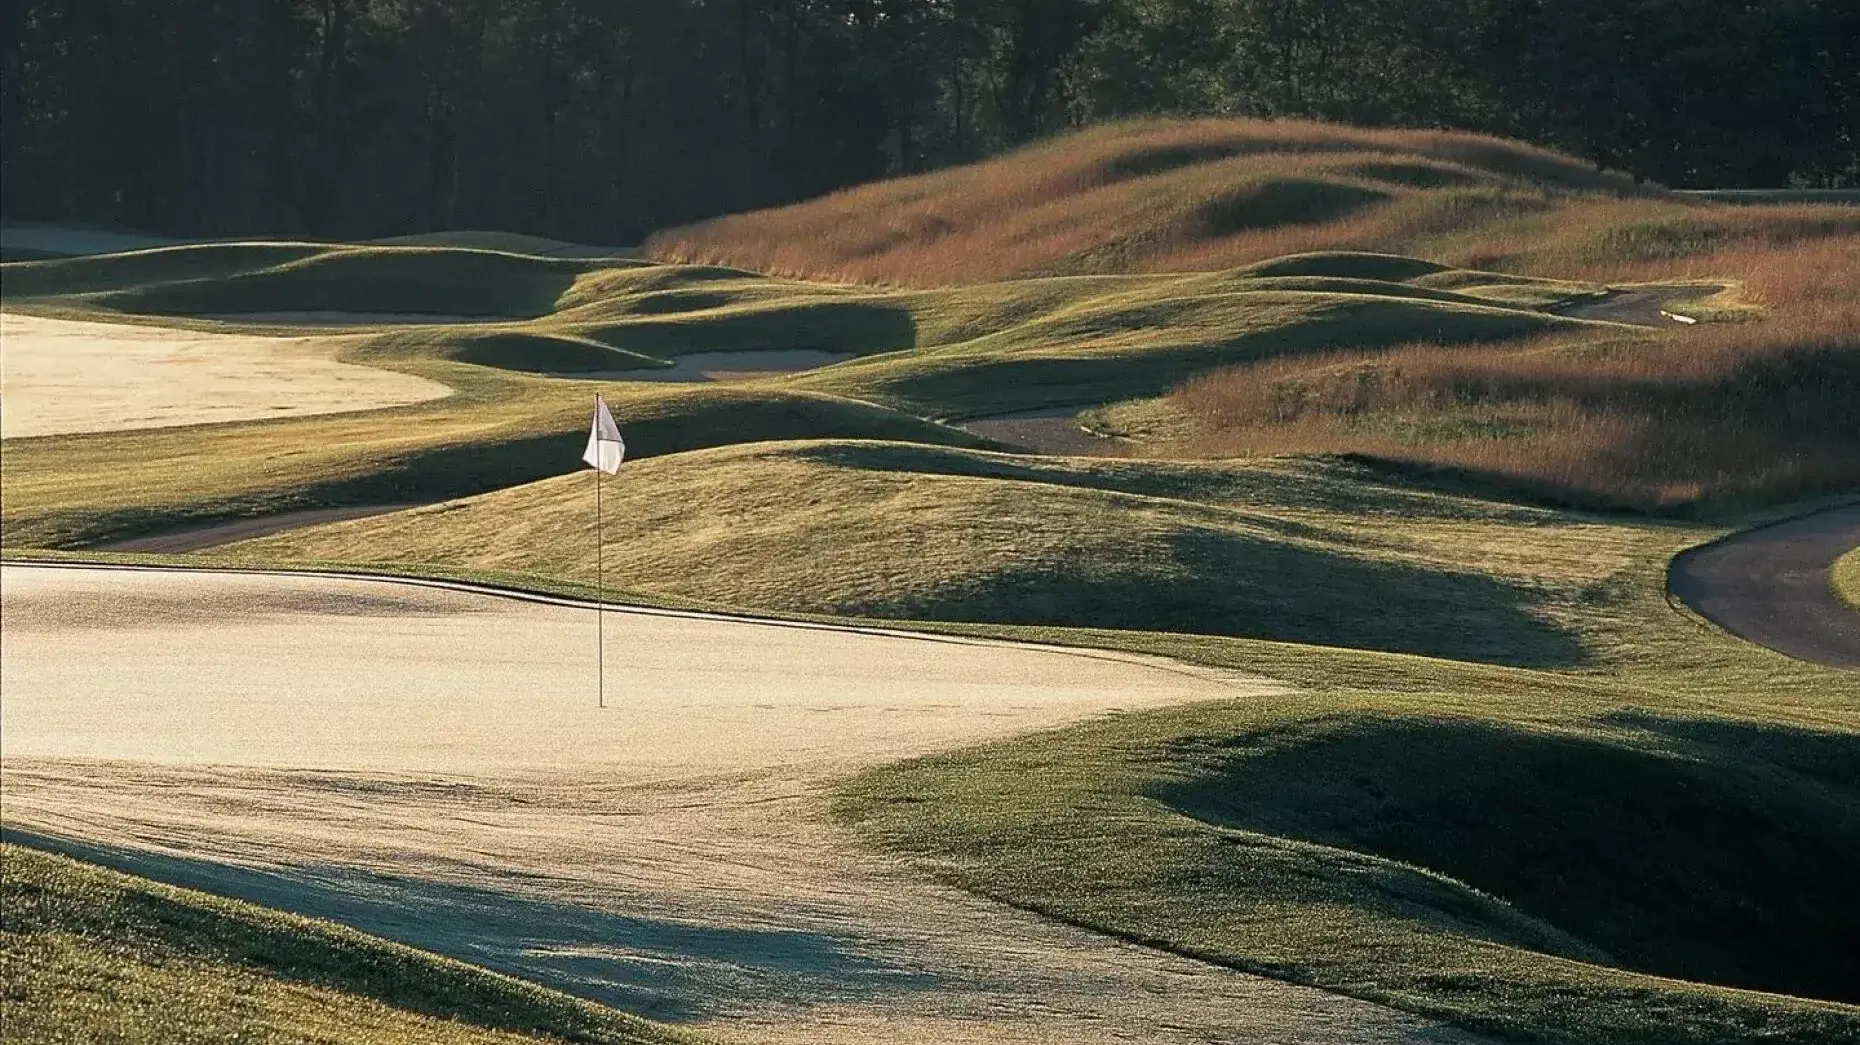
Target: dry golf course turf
x=987, y=746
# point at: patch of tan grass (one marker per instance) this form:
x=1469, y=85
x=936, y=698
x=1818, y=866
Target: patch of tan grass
x=1655, y=420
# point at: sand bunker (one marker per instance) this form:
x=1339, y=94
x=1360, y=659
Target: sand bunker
x=431, y=765
x=59, y=376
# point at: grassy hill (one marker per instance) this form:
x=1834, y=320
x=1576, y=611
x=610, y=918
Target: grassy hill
x=94, y=955
x=1526, y=855
x=1394, y=356
x=1163, y=195
x=875, y=529
x=1647, y=423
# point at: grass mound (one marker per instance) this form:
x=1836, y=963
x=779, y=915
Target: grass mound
x=1485, y=871
x=92, y=274
x=1635, y=837
x=441, y=281
x=94, y=955
x=1845, y=578
x=1151, y=196
x=478, y=239
x=1143, y=338
x=530, y=351
x=889, y=530
x=1391, y=268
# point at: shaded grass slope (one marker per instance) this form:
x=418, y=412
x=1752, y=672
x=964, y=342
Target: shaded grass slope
x=300, y=277
x=1607, y=876
x=96, y=955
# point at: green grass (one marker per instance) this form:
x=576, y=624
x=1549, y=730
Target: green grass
x=895, y=531
x=1543, y=862
x=1844, y=576
x=1636, y=850
x=95, y=955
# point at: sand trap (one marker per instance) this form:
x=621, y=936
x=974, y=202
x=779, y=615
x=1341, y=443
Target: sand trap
x=431, y=765
x=59, y=376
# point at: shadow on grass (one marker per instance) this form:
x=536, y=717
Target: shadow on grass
x=1211, y=581
x=1161, y=567
x=1707, y=850
x=659, y=968
x=962, y=381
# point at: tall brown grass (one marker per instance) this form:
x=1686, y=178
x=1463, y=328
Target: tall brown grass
x=1725, y=413
x=1210, y=194
x=1759, y=409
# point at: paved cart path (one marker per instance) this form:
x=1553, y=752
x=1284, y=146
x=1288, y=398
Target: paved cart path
x=1770, y=585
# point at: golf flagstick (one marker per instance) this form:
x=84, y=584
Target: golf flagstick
x=600, y=598
x=604, y=453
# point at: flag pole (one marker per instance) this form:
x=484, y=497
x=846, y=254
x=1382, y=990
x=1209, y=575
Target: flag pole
x=600, y=600
x=604, y=453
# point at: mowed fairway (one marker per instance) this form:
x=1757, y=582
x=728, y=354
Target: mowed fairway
x=430, y=764
x=62, y=376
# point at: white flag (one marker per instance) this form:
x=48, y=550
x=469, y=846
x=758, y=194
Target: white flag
x=605, y=447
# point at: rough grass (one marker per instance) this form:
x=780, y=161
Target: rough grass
x=1156, y=196
x=1144, y=337
x=1209, y=194
x=95, y=955
x=1844, y=576
x=1650, y=420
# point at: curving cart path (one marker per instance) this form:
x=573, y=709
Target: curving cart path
x=1770, y=585
x=427, y=762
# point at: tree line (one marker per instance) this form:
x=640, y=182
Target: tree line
x=599, y=120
